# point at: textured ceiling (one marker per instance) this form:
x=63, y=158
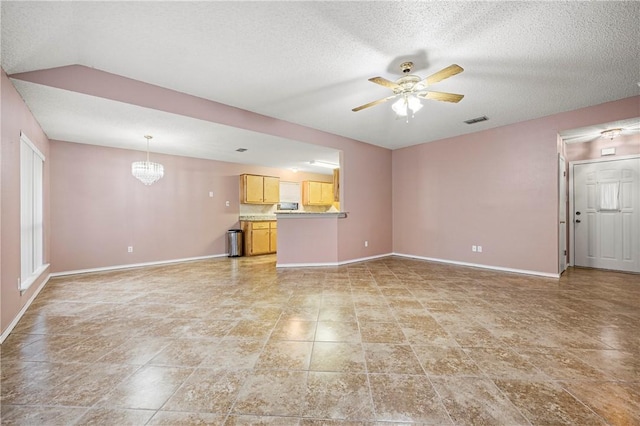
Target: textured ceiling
x=308, y=62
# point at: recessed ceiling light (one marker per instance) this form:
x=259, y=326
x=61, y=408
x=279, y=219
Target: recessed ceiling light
x=241, y=149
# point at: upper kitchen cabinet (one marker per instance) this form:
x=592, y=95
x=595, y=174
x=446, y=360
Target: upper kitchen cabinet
x=255, y=189
x=317, y=193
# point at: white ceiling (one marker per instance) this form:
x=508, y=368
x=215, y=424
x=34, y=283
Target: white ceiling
x=308, y=63
x=77, y=117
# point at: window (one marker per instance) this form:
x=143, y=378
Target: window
x=31, y=220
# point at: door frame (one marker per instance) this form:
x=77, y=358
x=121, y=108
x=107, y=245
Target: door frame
x=571, y=218
x=562, y=198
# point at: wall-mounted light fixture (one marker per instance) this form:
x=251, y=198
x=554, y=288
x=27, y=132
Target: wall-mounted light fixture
x=611, y=133
x=324, y=164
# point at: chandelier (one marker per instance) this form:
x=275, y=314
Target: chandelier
x=146, y=171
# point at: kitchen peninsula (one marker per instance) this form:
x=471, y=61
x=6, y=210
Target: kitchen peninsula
x=308, y=239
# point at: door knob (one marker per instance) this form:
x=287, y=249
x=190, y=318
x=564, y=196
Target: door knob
x=577, y=220
x=578, y=213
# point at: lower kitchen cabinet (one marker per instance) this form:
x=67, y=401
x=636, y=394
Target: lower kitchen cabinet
x=260, y=237
x=273, y=236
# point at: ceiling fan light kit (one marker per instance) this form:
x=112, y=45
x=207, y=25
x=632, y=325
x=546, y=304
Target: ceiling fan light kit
x=147, y=172
x=411, y=88
x=407, y=102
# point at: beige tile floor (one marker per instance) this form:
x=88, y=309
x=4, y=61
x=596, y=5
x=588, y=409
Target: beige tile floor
x=391, y=341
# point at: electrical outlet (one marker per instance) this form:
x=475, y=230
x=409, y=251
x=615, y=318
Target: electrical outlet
x=479, y=249
x=366, y=243
x=227, y=204
x=474, y=248
x=130, y=249
x=210, y=194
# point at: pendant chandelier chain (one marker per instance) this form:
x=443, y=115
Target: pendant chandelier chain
x=148, y=137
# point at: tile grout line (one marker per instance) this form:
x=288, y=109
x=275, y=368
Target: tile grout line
x=366, y=366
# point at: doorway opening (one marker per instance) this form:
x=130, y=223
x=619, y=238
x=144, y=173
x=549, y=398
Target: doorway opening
x=603, y=218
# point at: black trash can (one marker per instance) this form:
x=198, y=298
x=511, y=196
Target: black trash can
x=234, y=242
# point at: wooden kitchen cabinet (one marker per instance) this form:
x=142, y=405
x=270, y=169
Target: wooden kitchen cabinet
x=259, y=237
x=256, y=189
x=273, y=236
x=317, y=193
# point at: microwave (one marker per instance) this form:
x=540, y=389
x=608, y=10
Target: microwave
x=288, y=206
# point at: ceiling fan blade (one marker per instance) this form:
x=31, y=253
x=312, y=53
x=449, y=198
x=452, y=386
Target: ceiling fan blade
x=384, y=82
x=374, y=103
x=442, y=96
x=447, y=72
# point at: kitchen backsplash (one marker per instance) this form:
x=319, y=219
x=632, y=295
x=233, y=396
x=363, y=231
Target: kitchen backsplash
x=258, y=209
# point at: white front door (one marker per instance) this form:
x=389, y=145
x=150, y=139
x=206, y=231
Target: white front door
x=606, y=216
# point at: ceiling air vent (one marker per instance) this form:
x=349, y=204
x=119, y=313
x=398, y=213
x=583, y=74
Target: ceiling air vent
x=241, y=149
x=476, y=120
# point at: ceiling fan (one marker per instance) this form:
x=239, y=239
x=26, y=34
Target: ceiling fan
x=407, y=87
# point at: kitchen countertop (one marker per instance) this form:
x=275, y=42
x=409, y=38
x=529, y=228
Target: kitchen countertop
x=289, y=214
x=304, y=215
x=257, y=217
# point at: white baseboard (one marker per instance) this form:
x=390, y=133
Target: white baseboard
x=18, y=317
x=135, y=265
x=477, y=265
x=344, y=262
x=431, y=259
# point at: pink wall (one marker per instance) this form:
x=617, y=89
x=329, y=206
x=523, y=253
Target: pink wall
x=307, y=241
x=367, y=186
x=624, y=145
x=16, y=117
x=496, y=188
x=99, y=209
